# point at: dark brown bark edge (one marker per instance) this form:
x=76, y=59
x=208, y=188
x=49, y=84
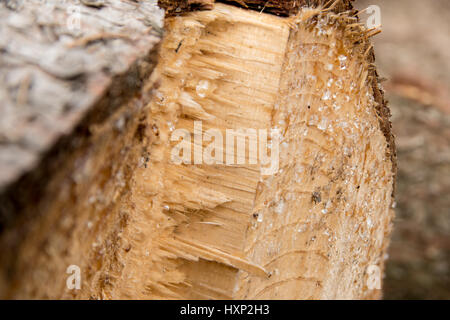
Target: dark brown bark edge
x=277, y=7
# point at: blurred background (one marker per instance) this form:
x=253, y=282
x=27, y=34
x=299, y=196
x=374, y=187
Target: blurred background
x=413, y=54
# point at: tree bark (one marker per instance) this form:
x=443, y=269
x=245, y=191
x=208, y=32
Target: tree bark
x=141, y=226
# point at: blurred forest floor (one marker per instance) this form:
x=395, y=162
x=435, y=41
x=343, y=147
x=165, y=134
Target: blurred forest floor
x=413, y=54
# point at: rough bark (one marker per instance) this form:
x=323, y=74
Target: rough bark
x=140, y=226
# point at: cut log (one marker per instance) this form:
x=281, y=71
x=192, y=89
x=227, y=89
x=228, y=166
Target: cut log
x=141, y=225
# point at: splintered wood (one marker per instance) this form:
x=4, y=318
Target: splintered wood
x=314, y=229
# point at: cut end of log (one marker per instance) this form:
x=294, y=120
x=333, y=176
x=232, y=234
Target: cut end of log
x=142, y=226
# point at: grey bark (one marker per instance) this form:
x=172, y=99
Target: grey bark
x=64, y=65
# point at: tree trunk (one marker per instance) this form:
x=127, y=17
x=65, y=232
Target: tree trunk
x=140, y=225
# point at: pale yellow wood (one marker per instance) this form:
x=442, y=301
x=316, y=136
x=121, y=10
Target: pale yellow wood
x=228, y=237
